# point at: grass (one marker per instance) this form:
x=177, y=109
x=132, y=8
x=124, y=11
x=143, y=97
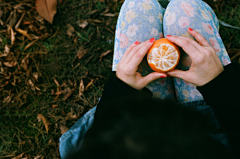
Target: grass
x=20, y=132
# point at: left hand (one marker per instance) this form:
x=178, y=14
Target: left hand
x=128, y=66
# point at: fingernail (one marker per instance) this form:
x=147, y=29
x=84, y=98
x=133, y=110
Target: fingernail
x=168, y=36
x=162, y=76
x=137, y=42
x=190, y=29
x=151, y=40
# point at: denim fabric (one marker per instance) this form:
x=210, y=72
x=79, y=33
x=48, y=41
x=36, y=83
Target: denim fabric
x=71, y=141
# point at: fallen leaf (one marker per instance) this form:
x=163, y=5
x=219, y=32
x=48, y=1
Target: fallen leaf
x=63, y=129
x=24, y=33
x=68, y=94
x=95, y=21
x=56, y=82
x=36, y=75
x=20, y=20
x=81, y=88
x=82, y=23
x=91, y=12
x=30, y=44
x=19, y=156
x=81, y=53
x=12, y=37
x=10, y=64
x=31, y=85
x=89, y=84
x=71, y=116
x=46, y=123
x=6, y=49
x=105, y=53
x=109, y=15
x=70, y=30
x=38, y=157
x=47, y=9
x=52, y=142
x=54, y=106
x=7, y=100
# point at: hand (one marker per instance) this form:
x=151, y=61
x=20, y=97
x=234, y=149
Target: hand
x=128, y=66
x=205, y=63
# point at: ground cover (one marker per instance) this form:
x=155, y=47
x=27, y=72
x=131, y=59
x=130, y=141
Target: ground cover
x=59, y=70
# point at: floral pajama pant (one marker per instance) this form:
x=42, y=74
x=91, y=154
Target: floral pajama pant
x=141, y=20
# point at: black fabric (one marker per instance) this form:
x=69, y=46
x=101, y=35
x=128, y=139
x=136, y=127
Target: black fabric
x=222, y=94
x=115, y=89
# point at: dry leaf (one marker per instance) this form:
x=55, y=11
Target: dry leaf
x=19, y=156
x=38, y=157
x=7, y=100
x=70, y=30
x=54, y=106
x=10, y=64
x=68, y=94
x=30, y=44
x=71, y=116
x=24, y=33
x=81, y=53
x=63, y=129
x=89, y=84
x=95, y=21
x=47, y=9
x=52, y=142
x=82, y=23
x=36, y=75
x=20, y=20
x=109, y=15
x=56, y=82
x=6, y=49
x=81, y=88
x=105, y=53
x=46, y=123
x=12, y=37
x=31, y=84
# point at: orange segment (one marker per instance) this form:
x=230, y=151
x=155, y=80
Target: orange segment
x=163, y=56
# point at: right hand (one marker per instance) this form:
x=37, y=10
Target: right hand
x=205, y=63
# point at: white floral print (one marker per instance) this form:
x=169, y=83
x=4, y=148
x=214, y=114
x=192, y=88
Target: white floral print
x=131, y=4
x=171, y=18
x=154, y=32
x=132, y=30
x=151, y=19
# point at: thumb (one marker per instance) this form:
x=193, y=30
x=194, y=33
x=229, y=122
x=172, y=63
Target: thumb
x=151, y=77
x=185, y=75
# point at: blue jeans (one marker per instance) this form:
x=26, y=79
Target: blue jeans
x=149, y=20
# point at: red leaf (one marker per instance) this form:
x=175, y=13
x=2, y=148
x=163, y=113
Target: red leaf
x=47, y=9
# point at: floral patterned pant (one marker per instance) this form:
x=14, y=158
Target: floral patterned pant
x=140, y=20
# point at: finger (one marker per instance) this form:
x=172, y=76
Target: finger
x=187, y=46
x=134, y=51
x=196, y=44
x=152, y=77
x=200, y=39
x=185, y=75
x=138, y=56
x=130, y=48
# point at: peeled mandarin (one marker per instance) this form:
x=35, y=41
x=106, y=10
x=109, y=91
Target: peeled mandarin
x=163, y=56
